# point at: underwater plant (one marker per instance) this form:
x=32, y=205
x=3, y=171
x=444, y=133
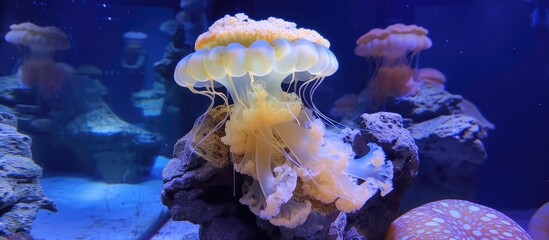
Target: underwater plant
x=393, y=50
x=37, y=45
x=272, y=135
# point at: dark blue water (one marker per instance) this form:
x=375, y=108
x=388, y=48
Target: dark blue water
x=489, y=51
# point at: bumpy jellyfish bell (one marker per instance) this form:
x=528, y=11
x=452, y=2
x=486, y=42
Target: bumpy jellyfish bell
x=259, y=59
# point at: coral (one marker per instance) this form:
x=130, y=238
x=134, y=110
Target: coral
x=451, y=218
x=538, y=226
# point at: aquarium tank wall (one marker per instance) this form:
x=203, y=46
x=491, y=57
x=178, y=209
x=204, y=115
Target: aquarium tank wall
x=248, y=119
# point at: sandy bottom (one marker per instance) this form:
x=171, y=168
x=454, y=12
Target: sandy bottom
x=94, y=210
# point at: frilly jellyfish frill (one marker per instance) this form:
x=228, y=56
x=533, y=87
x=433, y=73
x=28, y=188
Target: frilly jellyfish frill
x=252, y=60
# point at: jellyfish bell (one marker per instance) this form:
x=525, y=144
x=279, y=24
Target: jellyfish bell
x=393, y=43
x=193, y=4
x=393, y=50
x=134, y=53
x=42, y=42
x=38, y=68
x=226, y=54
x=252, y=60
x=135, y=38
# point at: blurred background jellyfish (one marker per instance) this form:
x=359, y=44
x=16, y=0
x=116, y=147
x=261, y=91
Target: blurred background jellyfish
x=252, y=59
x=37, y=45
x=392, y=50
x=431, y=77
x=193, y=18
x=134, y=53
x=193, y=4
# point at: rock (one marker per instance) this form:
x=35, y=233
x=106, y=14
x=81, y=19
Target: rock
x=201, y=191
x=451, y=148
x=427, y=103
x=14, y=143
x=450, y=140
x=150, y=101
x=20, y=193
x=386, y=130
x=449, y=131
x=116, y=150
x=172, y=54
x=12, y=92
x=199, y=186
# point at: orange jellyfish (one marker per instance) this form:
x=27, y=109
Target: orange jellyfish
x=252, y=60
x=393, y=50
x=38, y=45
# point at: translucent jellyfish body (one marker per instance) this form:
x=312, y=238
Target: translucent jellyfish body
x=37, y=45
x=392, y=50
x=275, y=138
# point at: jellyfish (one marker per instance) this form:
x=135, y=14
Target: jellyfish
x=344, y=106
x=431, y=77
x=134, y=53
x=272, y=135
x=393, y=50
x=194, y=22
x=38, y=45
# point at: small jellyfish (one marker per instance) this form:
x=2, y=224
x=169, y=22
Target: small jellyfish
x=393, y=50
x=134, y=53
x=37, y=45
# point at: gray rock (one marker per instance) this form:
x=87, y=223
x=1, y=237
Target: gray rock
x=386, y=130
x=450, y=140
x=116, y=150
x=428, y=103
x=8, y=84
x=450, y=147
x=449, y=131
x=81, y=132
x=202, y=191
x=150, y=101
x=172, y=54
x=199, y=185
x=20, y=193
x=13, y=143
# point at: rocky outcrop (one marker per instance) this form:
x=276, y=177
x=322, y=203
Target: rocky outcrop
x=201, y=186
x=81, y=132
x=448, y=131
x=103, y=143
x=20, y=193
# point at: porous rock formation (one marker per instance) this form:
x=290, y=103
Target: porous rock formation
x=79, y=131
x=202, y=187
x=20, y=193
x=448, y=131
